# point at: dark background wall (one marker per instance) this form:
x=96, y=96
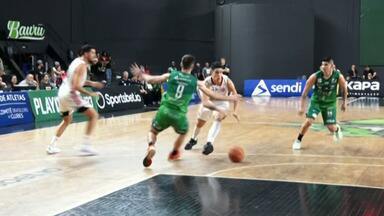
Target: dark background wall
x=157, y=31
x=265, y=40
x=336, y=34
x=150, y=32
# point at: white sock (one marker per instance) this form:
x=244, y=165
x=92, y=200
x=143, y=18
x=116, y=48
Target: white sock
x=54, y=140
x=196, y=132
x=86, y=140
x=214, y=131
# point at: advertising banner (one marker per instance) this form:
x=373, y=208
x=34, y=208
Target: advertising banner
x=274, y=88
x=14, y=109
x=19, y=31
x=45, y=104
x=119, y=98
x=365, y=88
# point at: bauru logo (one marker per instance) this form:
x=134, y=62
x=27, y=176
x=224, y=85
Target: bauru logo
x=20, y=32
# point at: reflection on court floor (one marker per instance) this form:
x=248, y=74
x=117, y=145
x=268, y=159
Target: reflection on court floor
x=191, y=195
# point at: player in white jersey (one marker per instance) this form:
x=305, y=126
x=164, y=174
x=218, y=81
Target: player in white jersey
x=220, y=84
x=70, y=99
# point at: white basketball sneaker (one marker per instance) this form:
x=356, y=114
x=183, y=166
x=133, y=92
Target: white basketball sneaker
x=338, y=136
x=53, y=149
x=296, y=145
x=88, y=150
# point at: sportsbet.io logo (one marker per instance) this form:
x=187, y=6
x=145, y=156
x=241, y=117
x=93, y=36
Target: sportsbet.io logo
x=112, y=100
x=20, y=32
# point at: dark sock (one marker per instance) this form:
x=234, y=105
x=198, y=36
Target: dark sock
x=300, y=137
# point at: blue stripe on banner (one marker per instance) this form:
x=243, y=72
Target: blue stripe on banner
x=14, y=108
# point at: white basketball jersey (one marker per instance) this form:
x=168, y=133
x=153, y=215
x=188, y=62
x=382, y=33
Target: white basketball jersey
x=221, y=88
x=66, y=87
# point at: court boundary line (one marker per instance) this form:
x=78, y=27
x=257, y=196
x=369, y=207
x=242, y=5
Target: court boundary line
x=50, y=157
x=276, y=180
x=308, y=156
x=295, y=164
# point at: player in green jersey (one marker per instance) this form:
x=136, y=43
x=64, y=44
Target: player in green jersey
x=181, y=85
x=326, y=83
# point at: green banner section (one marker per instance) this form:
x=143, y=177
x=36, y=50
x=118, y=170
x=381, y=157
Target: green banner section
x=45, y=105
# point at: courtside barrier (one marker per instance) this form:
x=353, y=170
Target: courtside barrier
x=15, y=109
x=274, y=88
x=365, y=88
x=119, y=98
x=45, y=105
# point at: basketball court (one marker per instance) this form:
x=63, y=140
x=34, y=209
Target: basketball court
x=321, y=179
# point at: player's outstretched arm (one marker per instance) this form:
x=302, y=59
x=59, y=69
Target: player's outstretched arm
x=211, y=94
x=308, y=86
x=139, y=71
x=93, y=84
x=344, y=92
x=208, y=104
x=233, y=91
x=155, y=79
x=76, y=81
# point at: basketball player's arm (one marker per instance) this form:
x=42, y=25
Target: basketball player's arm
x=93, y=84
x=155, y=79
x=233, y=91
x=344, y=92
x=201, y=86
x=209, y=105
x=308, y=86
x=139, y=71
x=76, y=81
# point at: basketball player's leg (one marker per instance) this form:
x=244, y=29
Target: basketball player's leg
x=215, y=129
x=52, y=147
x=181, y=126
x=67, y=119
x=66, y=114
x=159, y=123
x=196, y=131
x=312, y=113
x=92, y=116
x=329, y=118
x=203, y=116
x=151, y=150
x=175, y=153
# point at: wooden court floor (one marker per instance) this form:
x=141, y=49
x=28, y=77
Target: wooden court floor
x=32, y=183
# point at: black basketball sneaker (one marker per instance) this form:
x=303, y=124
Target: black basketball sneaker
x=208, y=148
x=190, y=144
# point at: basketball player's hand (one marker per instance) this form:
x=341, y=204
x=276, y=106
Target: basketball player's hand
x=136, y=70
x=236, y=116
x=222, y=114
x=235, y=97
x=301, y=111
x=343, y=106
x=93, y=94
x=98, y=85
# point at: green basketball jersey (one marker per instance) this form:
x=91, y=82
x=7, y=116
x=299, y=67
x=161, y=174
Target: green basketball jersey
x=325, y=92
x=180, y=88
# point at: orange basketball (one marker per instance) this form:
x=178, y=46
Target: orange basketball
x=236, y=154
